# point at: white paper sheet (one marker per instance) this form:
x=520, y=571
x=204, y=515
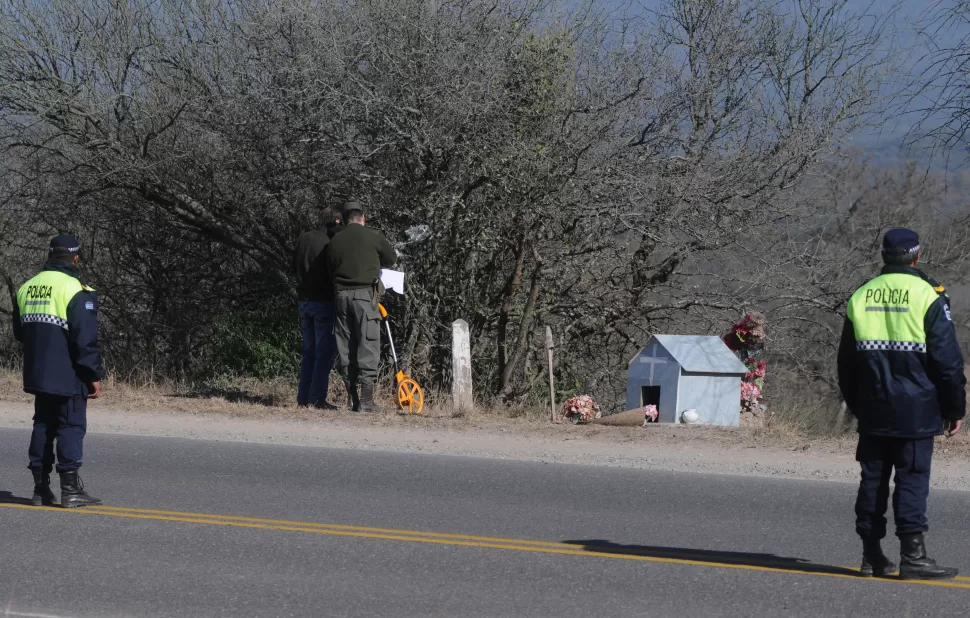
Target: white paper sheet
x=393, y=280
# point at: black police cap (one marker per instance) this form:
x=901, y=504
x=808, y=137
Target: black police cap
x=900, y=240
x=900, y=246
x=65, y=245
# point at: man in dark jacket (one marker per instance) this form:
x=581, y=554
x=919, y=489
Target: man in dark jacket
x=901, y=374
x=355, y=258
x=316, y=304
x=56, y=320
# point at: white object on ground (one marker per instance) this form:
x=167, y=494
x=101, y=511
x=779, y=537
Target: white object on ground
x=690, y=416
x=393, y=280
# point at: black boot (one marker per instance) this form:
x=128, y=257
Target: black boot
x=72, y=492
x=353, y=401
x=367, y=398
x=874, y=562
x=43, y=496
x=915, y=564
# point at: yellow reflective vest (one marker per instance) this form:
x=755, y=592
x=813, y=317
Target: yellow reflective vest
x=56, y=320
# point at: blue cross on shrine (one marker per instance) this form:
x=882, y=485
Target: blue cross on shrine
x=653, y=360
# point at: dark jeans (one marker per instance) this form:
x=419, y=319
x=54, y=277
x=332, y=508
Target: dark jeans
x=63, y=420
x=319, y=351
x=912, y=460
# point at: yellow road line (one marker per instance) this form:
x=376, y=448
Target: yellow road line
x=417, y=533
x=456, y=540
x=303, y=524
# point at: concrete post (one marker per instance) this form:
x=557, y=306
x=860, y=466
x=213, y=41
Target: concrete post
x=461, y=366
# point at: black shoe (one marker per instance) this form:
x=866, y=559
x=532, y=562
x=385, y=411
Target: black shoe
x=72, y=492
x=43, y=496
x=367, y=398
x=915, y=564
x=353, y=401
x=874, y=562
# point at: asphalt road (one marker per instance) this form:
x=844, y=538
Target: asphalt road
x=197, y=528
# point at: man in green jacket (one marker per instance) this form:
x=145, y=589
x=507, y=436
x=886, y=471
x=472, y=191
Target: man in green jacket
x=355, y=258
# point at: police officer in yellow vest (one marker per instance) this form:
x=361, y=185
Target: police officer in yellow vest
x=901, y=374
x=56, y=320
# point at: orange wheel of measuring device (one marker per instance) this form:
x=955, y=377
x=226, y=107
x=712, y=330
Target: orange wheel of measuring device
x=410, y=396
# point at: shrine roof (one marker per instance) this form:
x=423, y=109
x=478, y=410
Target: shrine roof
x=701, y=354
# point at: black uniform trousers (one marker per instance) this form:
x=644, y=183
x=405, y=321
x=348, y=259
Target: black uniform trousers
x=60, y=420
x=878, y=456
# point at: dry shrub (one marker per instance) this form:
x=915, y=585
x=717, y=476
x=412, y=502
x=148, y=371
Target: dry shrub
x=801, y=408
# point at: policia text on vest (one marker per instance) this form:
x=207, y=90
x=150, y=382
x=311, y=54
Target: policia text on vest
x=889, y=296
x=56, y=320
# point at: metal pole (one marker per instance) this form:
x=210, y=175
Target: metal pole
x=552, y=380
x=390, y=339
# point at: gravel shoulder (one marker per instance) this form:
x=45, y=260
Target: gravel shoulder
x=679, y=449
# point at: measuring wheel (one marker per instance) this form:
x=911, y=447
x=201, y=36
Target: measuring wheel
x=410, y=396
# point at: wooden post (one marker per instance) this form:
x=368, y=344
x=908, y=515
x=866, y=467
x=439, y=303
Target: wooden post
x=461, y=366
x=552, y=379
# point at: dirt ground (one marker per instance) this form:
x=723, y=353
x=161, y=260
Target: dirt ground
x=772, y=452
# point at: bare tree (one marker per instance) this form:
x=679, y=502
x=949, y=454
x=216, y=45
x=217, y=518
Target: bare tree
x=603, y=175
x=748, y=99
x=940, y=91
x=806, y=272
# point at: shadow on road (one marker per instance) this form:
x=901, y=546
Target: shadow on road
x=769, y=561
x=8, y=498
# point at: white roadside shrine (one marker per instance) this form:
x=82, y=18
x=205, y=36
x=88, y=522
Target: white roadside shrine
x=678, y=373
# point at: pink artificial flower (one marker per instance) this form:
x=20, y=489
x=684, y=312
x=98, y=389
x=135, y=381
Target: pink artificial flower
x=581, y=406
x=756, y=368
x=750, y=392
